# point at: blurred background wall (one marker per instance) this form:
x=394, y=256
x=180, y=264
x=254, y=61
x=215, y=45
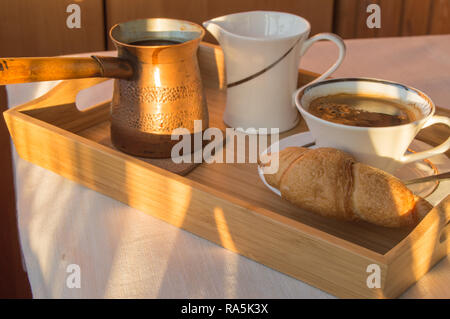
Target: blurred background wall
x=38, y=28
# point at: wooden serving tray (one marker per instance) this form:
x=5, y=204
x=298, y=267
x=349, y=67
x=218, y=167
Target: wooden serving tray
x=227, y=203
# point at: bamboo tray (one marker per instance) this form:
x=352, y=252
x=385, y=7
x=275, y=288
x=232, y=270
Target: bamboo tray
x=227, y=203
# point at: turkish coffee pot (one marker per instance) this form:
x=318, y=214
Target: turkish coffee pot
x=157, y=88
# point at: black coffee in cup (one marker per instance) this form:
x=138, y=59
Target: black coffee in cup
x=363, y=110
x=155, y=42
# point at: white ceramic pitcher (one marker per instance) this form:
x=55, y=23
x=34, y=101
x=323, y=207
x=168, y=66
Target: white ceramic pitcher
x=262, y=51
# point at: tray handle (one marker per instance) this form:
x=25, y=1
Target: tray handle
x=432, y=234
x=63, y=94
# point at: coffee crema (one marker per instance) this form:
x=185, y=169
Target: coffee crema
x=363, y=110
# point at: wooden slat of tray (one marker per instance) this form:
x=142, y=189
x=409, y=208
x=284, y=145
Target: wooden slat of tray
x=225, y=203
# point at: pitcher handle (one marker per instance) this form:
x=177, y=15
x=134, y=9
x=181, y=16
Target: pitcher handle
x=333, y=38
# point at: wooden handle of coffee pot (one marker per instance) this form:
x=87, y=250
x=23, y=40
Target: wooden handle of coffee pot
x=23, y=70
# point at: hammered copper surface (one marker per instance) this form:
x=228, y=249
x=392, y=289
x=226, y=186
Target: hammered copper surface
x=165, y=92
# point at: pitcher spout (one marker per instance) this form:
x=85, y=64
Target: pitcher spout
x=213, y=28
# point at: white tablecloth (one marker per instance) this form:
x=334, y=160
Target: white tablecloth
x=124, y=253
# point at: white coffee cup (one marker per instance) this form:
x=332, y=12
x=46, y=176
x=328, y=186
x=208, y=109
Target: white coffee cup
x=262, y=51
x=382, y=147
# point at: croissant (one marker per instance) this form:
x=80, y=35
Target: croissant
x=331, y=183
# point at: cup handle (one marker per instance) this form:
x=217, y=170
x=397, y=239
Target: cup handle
x=435, y=150
x=330, y=37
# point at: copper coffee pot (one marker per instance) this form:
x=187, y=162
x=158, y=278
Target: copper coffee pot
x=157, y=88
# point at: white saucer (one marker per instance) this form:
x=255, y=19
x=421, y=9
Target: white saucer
x=434, y=192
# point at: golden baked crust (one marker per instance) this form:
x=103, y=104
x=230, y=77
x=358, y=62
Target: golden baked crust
x=320, y=181
x=329, y=182
x=286, y=157
x=380, y=198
